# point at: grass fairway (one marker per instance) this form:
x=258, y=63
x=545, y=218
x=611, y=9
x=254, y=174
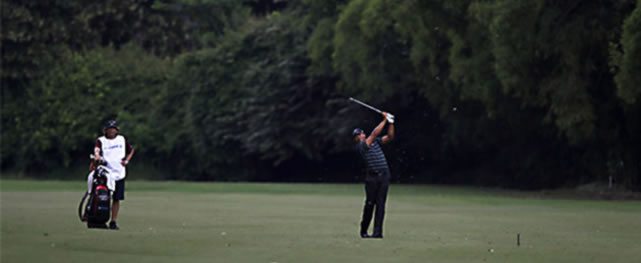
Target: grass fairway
x=217, y=222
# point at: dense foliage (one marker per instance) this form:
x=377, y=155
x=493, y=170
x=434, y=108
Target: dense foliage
x=526, y=94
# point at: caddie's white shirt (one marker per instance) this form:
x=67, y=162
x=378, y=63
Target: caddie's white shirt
x=113, y=151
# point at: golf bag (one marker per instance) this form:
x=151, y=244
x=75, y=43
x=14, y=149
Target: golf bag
x=95, y=207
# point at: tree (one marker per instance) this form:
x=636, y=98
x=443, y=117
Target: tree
x=63, y=112
x=628, y=60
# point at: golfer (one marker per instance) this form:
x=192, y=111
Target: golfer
x=377, y=177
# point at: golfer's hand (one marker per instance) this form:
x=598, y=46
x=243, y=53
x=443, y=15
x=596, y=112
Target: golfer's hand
x=389, y=117
x=124, y=162
x=384, y=115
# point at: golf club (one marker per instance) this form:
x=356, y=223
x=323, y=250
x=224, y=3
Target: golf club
x=389, y=117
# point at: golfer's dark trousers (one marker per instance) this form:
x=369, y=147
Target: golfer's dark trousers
x=376, y=187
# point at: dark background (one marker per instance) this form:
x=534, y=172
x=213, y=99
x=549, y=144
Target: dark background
x=519, y=94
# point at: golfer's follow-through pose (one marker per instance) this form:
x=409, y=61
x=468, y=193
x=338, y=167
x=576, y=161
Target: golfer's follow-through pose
x=378, y=175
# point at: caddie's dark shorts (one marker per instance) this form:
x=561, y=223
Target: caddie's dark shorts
x=119, y=193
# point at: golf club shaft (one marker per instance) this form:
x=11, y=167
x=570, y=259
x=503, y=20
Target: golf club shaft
x=365, y=105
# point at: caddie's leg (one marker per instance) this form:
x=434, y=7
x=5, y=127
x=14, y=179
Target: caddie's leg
x=118, y=195
x=115, y=207
x=89, y=181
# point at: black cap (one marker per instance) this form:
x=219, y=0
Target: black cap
x=111, y=124
x=357, y=131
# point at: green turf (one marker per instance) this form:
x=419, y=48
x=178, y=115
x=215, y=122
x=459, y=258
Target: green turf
x=234, y=222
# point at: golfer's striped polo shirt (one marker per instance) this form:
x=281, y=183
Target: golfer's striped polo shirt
x=374, y=157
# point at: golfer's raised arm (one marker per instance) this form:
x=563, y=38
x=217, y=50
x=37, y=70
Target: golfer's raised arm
x=390, y=134
x=377, y=131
